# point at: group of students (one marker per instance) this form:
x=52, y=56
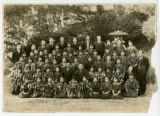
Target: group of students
x=76, y=69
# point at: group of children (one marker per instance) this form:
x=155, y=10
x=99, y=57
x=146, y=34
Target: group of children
x=77, y=72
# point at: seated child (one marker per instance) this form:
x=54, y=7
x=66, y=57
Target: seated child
x=95, y=88
x=84, y=88
x=49, y=91
x=131, y=87
x=116, y=89
x=61, y=89
x=25, y=89
x=106, y=89
x=38, y=88
x=72, y=89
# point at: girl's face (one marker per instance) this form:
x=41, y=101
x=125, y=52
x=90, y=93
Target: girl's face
x=54, y=62
x=35, y=51
x=38, y=80
x=61, y=79
x=57, y=69
x=41, y=53
x=118, y=61
x=84, y=79
x=115, y=80
x=106, y=79
x=99, y=69
x=95, y=80
x=130, y=68
x=31, y=54
x=46, y=60
x=117, y=71
x=39, y=59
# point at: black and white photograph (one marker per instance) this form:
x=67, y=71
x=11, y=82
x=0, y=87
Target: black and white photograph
x=78, y=57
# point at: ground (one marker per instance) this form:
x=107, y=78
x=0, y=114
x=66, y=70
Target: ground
x=13, y=103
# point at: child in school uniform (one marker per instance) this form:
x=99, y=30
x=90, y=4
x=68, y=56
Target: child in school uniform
x=116, y=89
x=95, y=88
x=48, y=74
x=84, y=88
x=100, y=75
x=49, y=89
x=131, y=86
x=73, y=89
x=61, y=89
x=106, y=89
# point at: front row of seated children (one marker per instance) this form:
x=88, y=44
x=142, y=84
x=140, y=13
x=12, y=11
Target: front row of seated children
x=85, y=89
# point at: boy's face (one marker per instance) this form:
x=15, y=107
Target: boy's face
x=98, y=58
x=54, y=62
x=31, y=54
x=118, y=61
x=46, y=60
x=91, y=47
x=41, y=53
x=130, y=43
x=75, y=60
x=118, y=71
x=107, y=50
x=122, y=53
x=21, y=59
x=36, y=51
x=39, y=59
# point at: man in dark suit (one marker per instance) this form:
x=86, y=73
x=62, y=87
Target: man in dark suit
x=17, y=53
x=75, y=44
x=62, y=43
x=79, y=73
x=99, y=46
x=67, y=73
x=26, y=47
x=51, y=45
x=87, y=43
x=142, y=68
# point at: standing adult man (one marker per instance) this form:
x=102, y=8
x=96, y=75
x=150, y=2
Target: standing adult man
x=87, y=43
x=99, y=46
x=16, y=53
x=142, y=68
x=26, y=47
x=51, y=45
x=62, y=43
x=43, y=45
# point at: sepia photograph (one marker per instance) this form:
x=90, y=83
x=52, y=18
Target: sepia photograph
x=78, y=57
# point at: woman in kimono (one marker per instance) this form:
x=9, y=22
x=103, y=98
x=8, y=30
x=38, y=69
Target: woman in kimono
x=49, y=91
x=61, y=89
x=38, y=88
x=131, y=87
x=84, y=88
x=106, y=89
x=95, y=88
x=26, y=91
x=17, y=81
x=116, y=89
x=73, y=89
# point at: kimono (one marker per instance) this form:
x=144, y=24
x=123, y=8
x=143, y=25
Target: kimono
x=106, y=90
x=131, y=87
x=119, y=76
x=61, y=90
x=49, y=90
x=25, y=91
x=100, y=76
x=46, y=76
x=116, y=87
x=73, y=89
x=95, y=88
x=16, y=81
x=85, y=89
x=20, y=65
x=38, y=90
x=78, y=75
x=57, y=76
x=91, y=75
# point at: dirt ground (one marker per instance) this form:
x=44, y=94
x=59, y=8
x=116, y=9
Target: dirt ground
x=13, y=103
